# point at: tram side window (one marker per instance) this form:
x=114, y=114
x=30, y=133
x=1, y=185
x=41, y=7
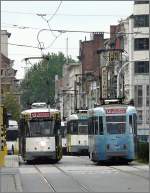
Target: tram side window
x=135, y=123
x=91, y=126
x=95, y=124
x=130, y=124
x=73, y=127
x=101, y=130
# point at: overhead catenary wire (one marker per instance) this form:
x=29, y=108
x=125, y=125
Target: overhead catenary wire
x=47, y=21
x=74, y=31
x=21, y=45
x=65, y=14
x=55, y=12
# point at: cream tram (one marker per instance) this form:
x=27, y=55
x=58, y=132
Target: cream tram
x=40, y=134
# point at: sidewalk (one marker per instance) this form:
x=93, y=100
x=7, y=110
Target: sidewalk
x=9, y=175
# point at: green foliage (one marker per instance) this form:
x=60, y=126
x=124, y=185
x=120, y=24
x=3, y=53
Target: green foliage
x=12, y=105
x=39, y=83
x=143, y=151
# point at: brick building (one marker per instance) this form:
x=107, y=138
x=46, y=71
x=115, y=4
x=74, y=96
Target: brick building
x=90, y=68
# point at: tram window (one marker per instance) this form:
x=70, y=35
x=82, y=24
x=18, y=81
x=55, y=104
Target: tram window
x=95, y=123
x=116, y=118
x=116, y=128
x=101, y=131
x=116, y=124
x=83, y=126
x=91, y=126
x=73, y=127
x=41, y=128
x=135, y=123
x=130, y=124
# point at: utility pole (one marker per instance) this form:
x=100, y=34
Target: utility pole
x=149, y=85
x=0, y=86
x=67, y=50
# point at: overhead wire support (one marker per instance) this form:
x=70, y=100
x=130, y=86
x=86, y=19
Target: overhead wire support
x=47, y=21
x=55, y=12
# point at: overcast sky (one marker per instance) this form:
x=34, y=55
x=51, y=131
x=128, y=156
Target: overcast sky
x=71, y=15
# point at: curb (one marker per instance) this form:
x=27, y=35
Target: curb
x=18, y=182
x=14, y=173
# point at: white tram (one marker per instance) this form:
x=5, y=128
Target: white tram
x=40, y=134
x=77, y=133
x=64, y=136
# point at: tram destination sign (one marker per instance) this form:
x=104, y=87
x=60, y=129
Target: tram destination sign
x=40, y=114
x=115, y=111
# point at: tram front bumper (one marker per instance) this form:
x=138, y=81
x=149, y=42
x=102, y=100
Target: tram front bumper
x=78, y=148
x=36, y=155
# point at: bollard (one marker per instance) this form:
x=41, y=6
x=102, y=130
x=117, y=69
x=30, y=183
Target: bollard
x=3, y=125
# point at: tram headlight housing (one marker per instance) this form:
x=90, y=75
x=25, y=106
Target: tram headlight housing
x=43, y=143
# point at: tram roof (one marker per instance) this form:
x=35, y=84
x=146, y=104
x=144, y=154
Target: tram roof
x=28, y=111
x=72, y=117
x=77, y=116
x=63, y=123
x=102, y=109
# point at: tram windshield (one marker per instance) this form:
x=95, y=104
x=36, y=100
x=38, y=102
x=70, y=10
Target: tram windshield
x=83, y=127
x=78, y=127
x=116, y=124
x=42, y=128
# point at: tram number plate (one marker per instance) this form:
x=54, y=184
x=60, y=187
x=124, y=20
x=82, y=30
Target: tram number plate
x=40, y=114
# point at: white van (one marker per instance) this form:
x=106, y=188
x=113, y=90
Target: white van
x=12, y=137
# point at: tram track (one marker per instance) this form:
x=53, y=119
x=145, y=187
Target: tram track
x=126, y=171
x=50, y=185
x=81, y=186
x=129, y=172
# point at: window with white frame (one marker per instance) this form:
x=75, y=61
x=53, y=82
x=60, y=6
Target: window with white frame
x=141, y=67
x=138, y=95
x=147, y=117
x=141, y=20
x=147, y=95
x=141, y=44
x=140, y=116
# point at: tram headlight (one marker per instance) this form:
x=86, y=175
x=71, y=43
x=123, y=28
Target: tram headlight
x=43, y=143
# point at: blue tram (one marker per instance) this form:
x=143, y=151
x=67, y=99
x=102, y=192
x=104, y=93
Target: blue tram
x=112, y=132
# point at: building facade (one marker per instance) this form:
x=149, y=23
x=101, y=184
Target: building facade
x=4, y=42
x=9, y=84
x=67, y=93
x=131, y=36
x=136, y=44
x=90, y=69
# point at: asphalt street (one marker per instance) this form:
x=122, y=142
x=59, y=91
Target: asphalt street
x=79, y=174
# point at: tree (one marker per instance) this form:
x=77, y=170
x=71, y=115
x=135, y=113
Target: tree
x=39, y=82
x=12, y=105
